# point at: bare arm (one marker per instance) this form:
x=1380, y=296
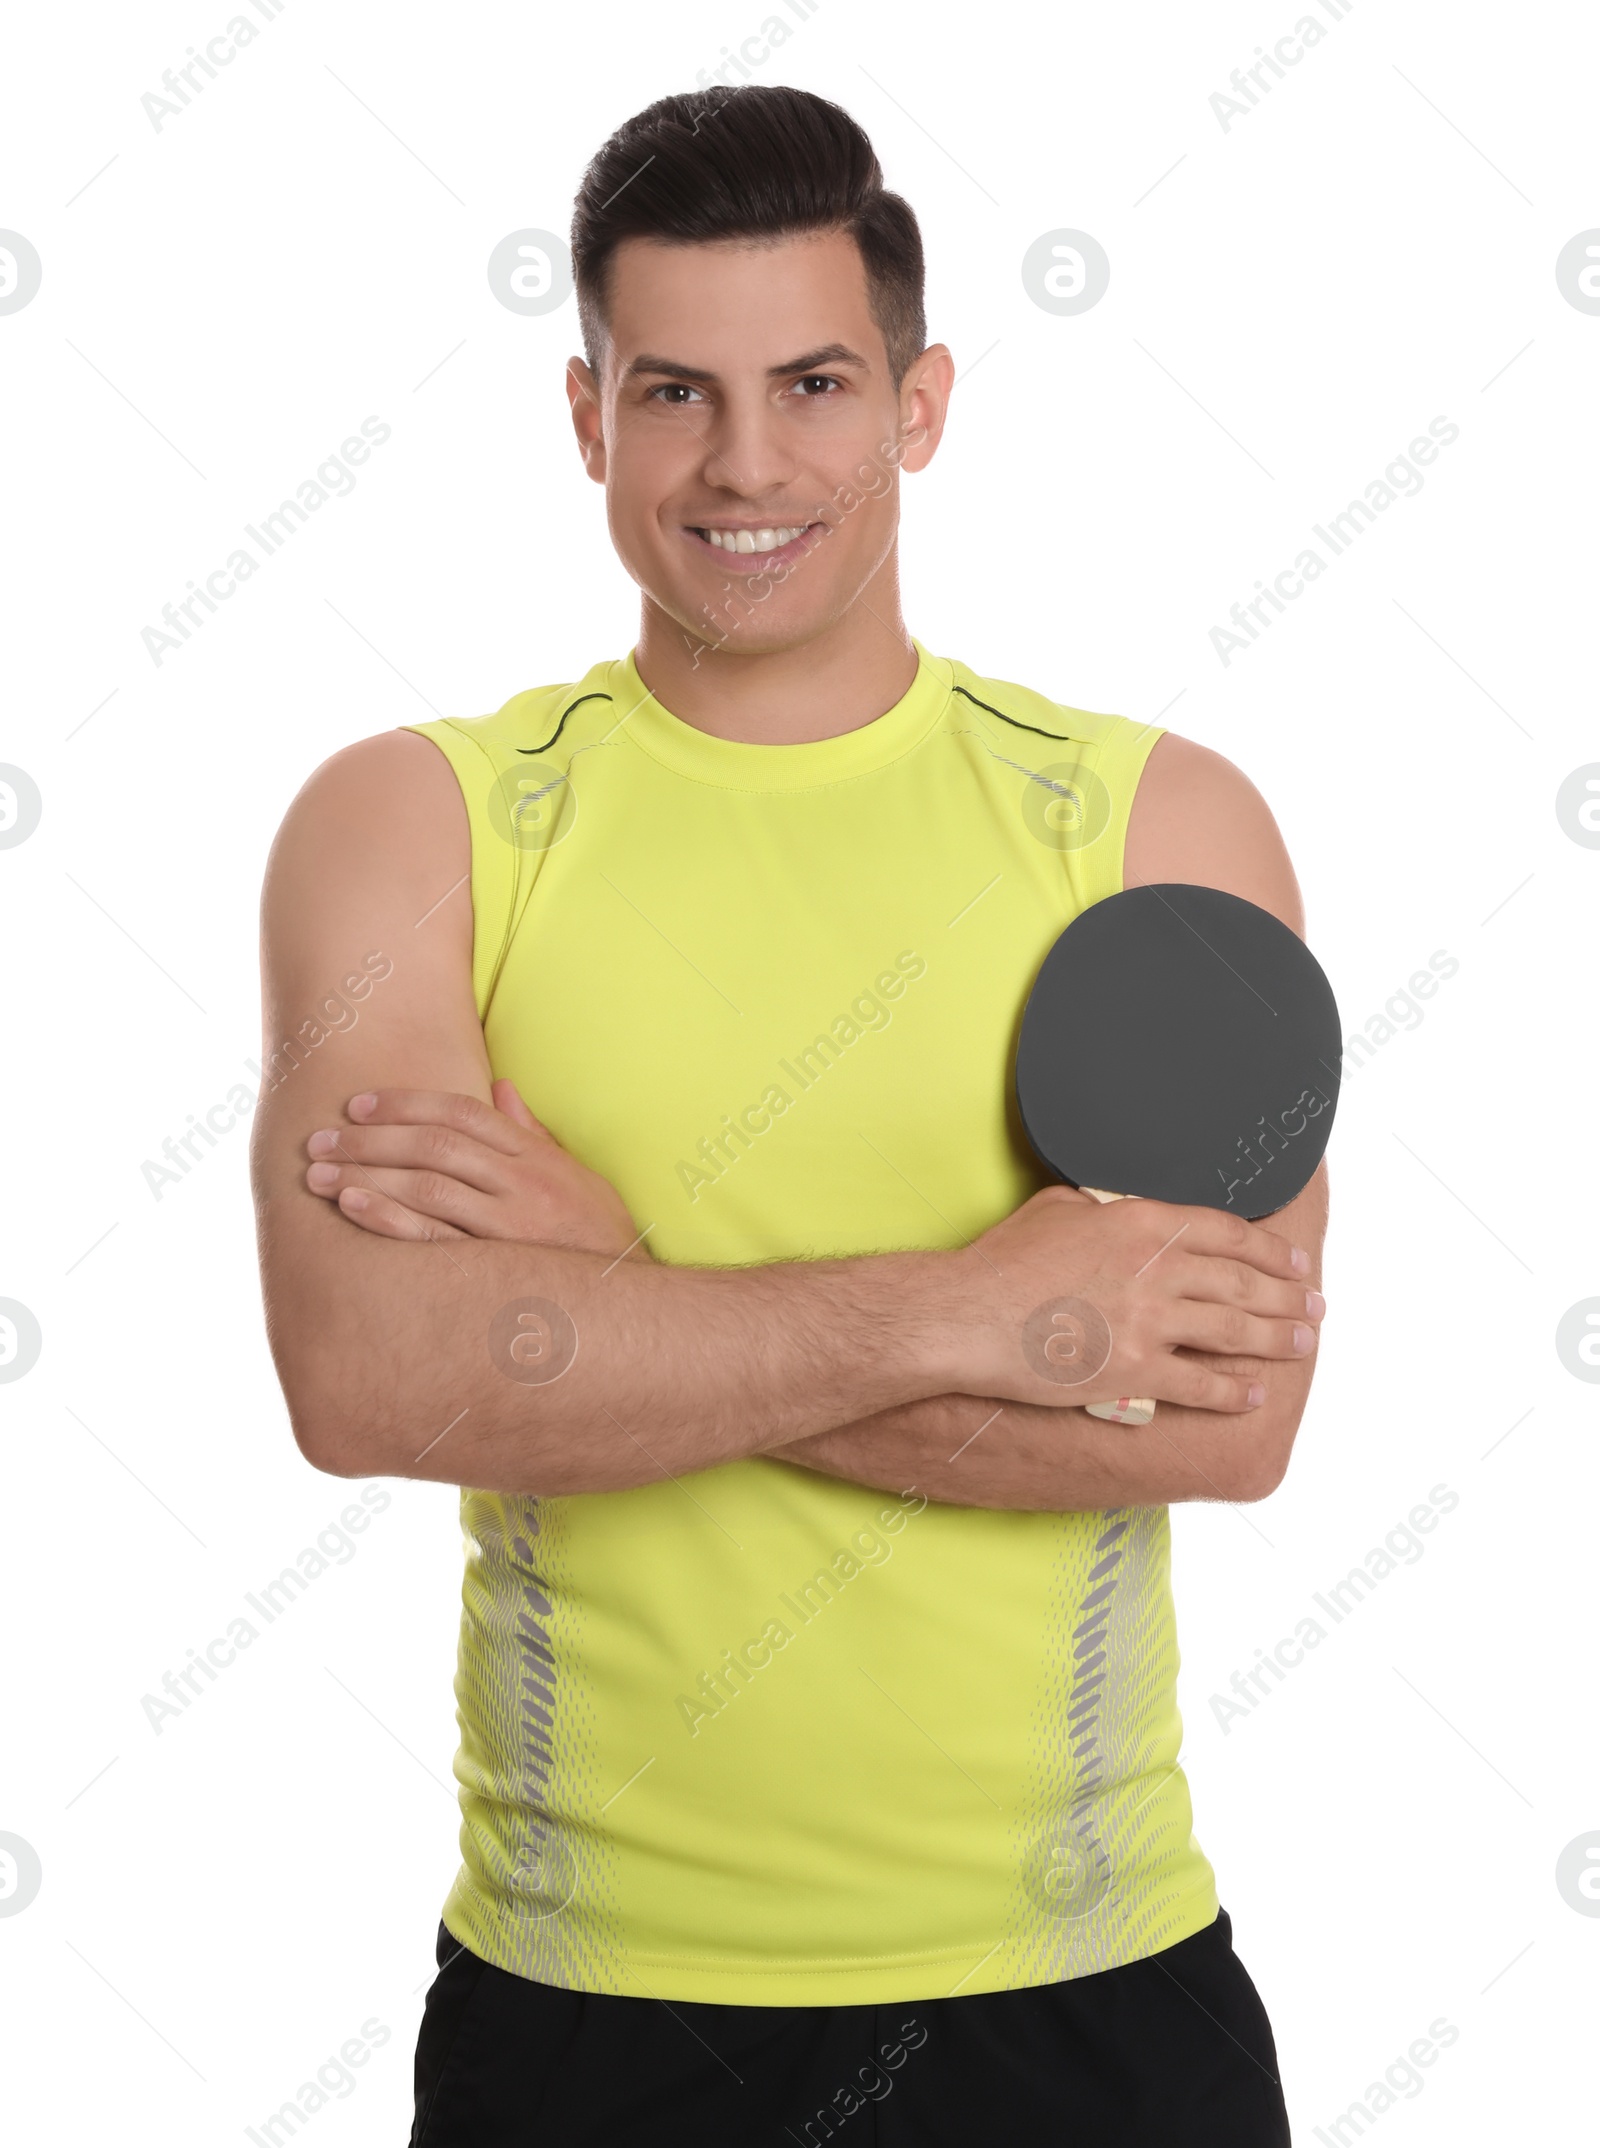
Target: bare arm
x=1195, y=818
x=402, y=1355
x=381, y=1345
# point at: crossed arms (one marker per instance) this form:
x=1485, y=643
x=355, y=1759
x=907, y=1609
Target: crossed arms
x=389, y=1245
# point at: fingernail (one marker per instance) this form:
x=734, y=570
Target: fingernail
x=323, y=1142
x=1299, y=1260
x=353, y=1200
x=1303, y=1339
x=1316, y=1304
x=322, y=1175
x=1255, y=1395
x=359, y=1106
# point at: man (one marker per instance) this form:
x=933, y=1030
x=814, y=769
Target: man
x=817, y=1678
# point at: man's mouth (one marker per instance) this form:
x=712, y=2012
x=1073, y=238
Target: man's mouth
x=751, y=542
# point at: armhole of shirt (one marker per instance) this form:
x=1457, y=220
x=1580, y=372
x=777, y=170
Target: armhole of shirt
x=1117, y=759
x=494, y=863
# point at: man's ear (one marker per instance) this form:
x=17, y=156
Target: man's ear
x=924, y=401
x=583, y=393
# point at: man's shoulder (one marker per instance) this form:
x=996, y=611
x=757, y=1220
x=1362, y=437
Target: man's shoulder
x=1199, y=818
x=538, y=720
x=1023, y=709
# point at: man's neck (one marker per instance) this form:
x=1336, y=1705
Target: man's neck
x=852, y=673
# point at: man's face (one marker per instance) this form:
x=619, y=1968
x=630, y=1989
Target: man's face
x=749, y=435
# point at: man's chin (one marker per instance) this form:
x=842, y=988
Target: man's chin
x=748, y=626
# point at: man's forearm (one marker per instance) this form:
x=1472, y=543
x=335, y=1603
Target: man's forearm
x=969, y=1451
x=537, y=1369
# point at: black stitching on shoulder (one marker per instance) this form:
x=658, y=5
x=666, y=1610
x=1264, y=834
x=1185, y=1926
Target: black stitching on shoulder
x=1015, y=721
x=565, y=713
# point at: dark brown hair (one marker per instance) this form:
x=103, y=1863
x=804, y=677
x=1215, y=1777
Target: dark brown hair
x=756, y=161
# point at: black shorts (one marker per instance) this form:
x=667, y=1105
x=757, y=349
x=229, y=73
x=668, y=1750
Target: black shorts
x=1174, y=2050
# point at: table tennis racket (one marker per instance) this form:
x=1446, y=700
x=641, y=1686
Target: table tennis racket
x=1179, y=1044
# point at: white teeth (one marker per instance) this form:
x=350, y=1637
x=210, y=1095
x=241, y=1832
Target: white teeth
x=753, y=540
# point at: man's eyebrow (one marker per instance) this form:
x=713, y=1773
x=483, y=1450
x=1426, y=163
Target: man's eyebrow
x=671, y=367
x=808, y=362
x=812, y=361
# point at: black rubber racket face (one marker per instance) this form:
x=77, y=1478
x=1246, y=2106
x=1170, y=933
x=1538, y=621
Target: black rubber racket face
x=1181, y=1044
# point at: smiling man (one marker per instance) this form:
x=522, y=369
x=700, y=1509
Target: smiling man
x=817, y=1675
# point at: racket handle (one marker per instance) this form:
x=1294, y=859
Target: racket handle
x=1127, y=1409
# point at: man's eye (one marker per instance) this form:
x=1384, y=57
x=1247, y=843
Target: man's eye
x=670, y=390
x=809, y=381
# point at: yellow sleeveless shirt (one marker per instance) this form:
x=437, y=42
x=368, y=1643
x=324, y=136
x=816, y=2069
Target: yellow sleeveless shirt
x=761, y=1736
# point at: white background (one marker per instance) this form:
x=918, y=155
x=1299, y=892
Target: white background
x=1292, y=300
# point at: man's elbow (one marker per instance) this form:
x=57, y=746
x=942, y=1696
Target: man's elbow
x=336, y=1449
x=1262, y=1461
x=334, y=1384
x=332, y=1430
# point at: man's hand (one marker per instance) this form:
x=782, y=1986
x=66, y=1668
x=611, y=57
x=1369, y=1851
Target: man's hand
x=1104, y=1301
x=418, y=1163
